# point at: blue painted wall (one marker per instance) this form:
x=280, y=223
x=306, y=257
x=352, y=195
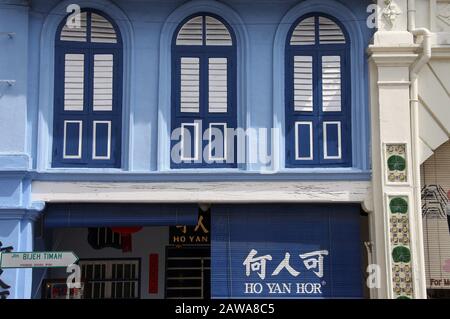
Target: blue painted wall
x=146, y=20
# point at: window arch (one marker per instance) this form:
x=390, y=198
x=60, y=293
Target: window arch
x=87, y=125
x=318, y=101
x=204, y=93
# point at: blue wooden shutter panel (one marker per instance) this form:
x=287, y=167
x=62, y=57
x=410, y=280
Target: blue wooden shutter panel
x=102, y=41
x=218, y=42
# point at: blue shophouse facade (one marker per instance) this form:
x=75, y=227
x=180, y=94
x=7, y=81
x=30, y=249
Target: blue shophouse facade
x=155, y=82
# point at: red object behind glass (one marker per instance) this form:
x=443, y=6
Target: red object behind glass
x=126, y=239
x=153, y=274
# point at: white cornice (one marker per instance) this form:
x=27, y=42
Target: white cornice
x=202, y=192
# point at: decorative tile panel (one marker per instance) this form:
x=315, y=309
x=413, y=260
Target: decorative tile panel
x=402, y=280
x=396, y=163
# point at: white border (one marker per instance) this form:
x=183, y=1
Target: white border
x=311, y=146
x=80, y=140
x=325, y=140
x=94, y=137
x=225, y=142
x=196, y=141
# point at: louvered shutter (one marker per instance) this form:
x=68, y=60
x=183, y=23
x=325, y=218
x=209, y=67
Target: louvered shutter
x=190, y=85
x=330, y=32
x=217, y=33
x=218, y=85
x=191, y=33
x=103, y=82
x=331, y=84
x=72, y=32
x=304, y=33
x=74, y=65
x=303, y=83
x=102, y=30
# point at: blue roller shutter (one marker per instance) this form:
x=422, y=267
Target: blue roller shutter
x=275, y=231
x=119, y=215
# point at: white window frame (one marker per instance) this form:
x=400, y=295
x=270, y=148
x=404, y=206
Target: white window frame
x=311, y=140
x=225, y=142
x=80, y=140
x=94, y=142
x=325, y=140
x=196, y=141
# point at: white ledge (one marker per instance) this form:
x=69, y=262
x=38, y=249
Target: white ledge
x=202, y=192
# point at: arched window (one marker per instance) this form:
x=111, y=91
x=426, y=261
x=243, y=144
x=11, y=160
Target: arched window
x=88, y=92
x=204, y=93
x=318, y=102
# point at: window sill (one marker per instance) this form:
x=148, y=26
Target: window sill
x=207, y=175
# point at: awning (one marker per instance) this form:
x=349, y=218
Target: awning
x=119, y=215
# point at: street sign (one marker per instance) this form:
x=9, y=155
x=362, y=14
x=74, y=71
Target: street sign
x=50, y=259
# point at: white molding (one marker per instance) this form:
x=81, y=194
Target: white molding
x=80, y=139
x=196, y=138
x=94, y=141
x=225, y=143
x=311, y=141
x=202, y=192
x=325, y=140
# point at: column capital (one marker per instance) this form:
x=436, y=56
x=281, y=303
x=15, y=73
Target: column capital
x=31, y=213
x=399, y=56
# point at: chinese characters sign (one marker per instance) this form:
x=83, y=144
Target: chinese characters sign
x=311, y=261
x=192, y=235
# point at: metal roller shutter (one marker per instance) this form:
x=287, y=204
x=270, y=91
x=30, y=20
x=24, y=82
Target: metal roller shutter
x=250, y=243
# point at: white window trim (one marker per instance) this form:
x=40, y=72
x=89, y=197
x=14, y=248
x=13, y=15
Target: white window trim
x=80, y=140
x=94, y=142
x=225, y=142
x=196, y=141
x=311, y=146
x=325, y=141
